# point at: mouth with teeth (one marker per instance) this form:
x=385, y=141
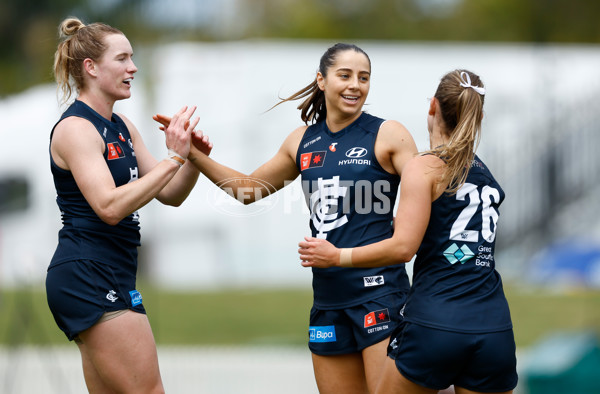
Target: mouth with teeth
x=128, y=81
x=352, y=99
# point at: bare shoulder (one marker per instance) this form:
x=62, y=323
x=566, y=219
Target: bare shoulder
x=394, y=146
x=424, y=166
x=74, y=130
x=393, y=131
x=74, y=136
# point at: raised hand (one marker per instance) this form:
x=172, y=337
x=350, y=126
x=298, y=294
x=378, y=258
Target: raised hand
x=178, y=133
x=199, y=140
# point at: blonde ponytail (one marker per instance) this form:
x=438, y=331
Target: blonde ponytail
x=461, y=97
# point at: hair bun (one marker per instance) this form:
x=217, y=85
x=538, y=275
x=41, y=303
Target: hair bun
x=70, y=27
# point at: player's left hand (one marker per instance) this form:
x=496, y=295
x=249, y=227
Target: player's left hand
x=317, y=252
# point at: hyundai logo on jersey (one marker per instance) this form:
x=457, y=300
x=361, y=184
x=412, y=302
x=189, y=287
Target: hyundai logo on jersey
x=356, y=152
x=321, y=334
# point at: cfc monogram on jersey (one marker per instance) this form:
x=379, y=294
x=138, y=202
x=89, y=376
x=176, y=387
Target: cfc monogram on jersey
x=350, y=198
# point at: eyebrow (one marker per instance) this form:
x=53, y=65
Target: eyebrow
x=350, y=70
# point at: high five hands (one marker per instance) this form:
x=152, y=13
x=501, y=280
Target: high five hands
x=199, y=140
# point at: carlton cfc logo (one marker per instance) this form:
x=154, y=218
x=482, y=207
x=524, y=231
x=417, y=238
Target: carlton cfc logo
x=356, y=152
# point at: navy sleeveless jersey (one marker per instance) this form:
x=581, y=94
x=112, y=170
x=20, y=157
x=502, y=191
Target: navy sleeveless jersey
x=351, y=200
x=455, y=284
x=84, y=235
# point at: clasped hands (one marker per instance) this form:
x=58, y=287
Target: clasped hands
x=199, y=140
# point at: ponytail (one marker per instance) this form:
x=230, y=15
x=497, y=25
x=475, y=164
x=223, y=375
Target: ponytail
x=461, y=96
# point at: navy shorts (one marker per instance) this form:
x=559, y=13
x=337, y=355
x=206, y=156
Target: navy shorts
x=350, y=330
x=80, y=292
x=436, y=358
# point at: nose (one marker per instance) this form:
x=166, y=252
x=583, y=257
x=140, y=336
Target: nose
x=132, y=68
x=354, y=82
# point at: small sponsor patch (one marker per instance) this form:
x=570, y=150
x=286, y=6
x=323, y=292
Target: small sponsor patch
x=321, y=334
x=377, y=317
x=136, y=297
x=114, y=151
x=373, y=280
x=455, y=255
x=312, y=160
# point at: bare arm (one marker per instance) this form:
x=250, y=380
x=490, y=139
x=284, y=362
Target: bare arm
x=180, y=185
x=418, y=190
x=394, y=146
x=76, y=146
x=266, y=179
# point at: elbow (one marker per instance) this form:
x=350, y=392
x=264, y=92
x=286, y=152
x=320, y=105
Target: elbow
x=110, y=216
x=174, y=203
x=110, y=220
x=402, y=255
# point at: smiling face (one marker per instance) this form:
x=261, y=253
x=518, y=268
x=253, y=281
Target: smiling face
x=346, y=84
x=113, y=72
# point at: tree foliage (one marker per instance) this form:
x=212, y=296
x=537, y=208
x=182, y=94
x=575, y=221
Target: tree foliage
x=29, y=27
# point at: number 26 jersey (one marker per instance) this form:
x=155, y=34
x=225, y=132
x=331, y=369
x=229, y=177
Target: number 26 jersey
x=455, y=284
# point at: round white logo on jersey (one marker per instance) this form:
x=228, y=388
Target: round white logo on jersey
x=356, y=152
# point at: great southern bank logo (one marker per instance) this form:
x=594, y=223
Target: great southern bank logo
x=321, y=334
x=454, y=254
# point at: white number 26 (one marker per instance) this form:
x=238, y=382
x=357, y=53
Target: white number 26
x=489, y=216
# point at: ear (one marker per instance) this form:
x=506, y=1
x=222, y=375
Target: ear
x=90, y=67
x=320, y=80
x=432, y=106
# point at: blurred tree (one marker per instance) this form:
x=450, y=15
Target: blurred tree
x=29, y=35
x=29, y=27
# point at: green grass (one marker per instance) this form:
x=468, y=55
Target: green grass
x=274, y=317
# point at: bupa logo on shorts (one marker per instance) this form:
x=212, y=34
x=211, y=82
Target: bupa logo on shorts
x=136, y=297
x=321, y=334
x=373, y=280
x=377, y=317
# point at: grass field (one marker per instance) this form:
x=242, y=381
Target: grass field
x=274, y=317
